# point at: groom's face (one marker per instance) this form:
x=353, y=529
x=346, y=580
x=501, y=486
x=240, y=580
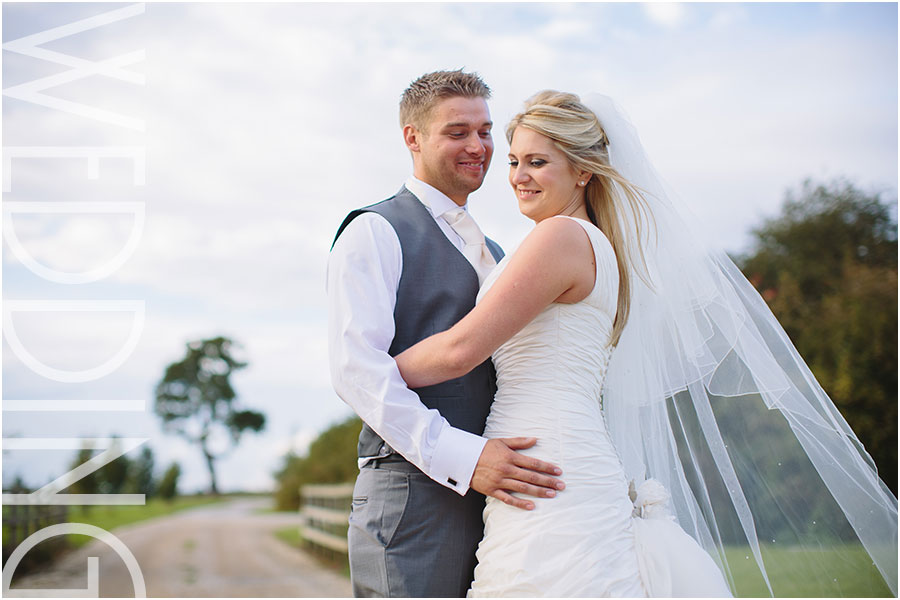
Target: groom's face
x=453, y=149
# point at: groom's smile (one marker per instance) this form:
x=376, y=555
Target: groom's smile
x=474, y=166
x=453, y=150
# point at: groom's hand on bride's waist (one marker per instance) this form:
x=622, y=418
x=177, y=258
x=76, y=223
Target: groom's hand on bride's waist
x=501, y=470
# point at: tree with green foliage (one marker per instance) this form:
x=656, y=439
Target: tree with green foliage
x=113, y=476
x=140, y=474
x=195, y=400
x=18, y=486
x=827, y=267
x=90, y=483
x=168, y=485
x=121, y=475
x=331, y=459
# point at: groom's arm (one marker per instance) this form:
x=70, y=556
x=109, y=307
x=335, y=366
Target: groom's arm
x=363, y=275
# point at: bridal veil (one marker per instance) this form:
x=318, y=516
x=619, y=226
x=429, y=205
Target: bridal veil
x=706, y=394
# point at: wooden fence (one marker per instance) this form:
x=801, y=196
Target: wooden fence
x=325, y=509
x=21, y=520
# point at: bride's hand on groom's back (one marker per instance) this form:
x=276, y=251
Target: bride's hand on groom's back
x=501, y=470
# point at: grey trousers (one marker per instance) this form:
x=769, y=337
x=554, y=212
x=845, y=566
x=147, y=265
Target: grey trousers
x=411, y=537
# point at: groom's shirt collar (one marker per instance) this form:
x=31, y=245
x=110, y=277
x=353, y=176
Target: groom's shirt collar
x=434, y=200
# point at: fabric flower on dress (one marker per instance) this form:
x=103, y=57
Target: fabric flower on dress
x=650, y=500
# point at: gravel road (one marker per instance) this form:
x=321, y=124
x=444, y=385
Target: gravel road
x=226, y=550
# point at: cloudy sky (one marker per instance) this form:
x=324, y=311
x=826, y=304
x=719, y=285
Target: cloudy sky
x=263, y=125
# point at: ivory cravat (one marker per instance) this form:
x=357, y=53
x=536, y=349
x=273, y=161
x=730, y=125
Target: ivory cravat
x=475, y=250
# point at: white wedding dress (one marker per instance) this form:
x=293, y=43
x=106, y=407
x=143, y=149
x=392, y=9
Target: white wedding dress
x=585, y=541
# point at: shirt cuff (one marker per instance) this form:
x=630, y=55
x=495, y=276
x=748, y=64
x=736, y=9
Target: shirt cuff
x=455, y=456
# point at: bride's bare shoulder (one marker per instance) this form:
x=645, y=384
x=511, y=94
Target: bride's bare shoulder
x=559, y=250
x=560, y=235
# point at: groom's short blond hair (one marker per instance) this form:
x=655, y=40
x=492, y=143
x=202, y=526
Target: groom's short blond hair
x=426, y=91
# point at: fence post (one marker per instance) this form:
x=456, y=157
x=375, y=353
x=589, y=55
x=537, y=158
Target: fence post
x=21, y=520
x=325, y=509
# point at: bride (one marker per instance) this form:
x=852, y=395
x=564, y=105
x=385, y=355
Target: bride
x=695, y=443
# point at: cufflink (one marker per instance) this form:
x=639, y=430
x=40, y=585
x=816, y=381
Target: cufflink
x=451, y=481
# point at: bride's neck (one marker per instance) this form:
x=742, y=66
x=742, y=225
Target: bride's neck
x=577, y=210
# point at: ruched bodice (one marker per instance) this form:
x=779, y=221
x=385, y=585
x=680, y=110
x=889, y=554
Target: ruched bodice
x=562, y=353
x=550, y=376
x=575, y=360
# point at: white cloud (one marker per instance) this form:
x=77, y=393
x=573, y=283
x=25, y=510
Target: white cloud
x=668, y=14
x=71, y=243
x=561, y=29
x=726, y=16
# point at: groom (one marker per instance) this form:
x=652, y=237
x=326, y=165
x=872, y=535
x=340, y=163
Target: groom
x=399, y=271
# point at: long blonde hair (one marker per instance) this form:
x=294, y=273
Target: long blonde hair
x=575, y=130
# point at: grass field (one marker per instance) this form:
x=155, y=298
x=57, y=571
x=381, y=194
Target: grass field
x=796, y=574
x=105, y=517
x=291, y=536
x=844, y=571
x=110, y=517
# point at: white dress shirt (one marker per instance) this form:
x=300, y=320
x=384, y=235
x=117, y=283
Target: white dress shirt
x=363, y=276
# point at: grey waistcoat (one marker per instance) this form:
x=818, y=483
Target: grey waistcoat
x=437, y=288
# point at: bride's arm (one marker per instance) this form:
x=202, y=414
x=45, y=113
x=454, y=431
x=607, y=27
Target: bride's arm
x=554, y=263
